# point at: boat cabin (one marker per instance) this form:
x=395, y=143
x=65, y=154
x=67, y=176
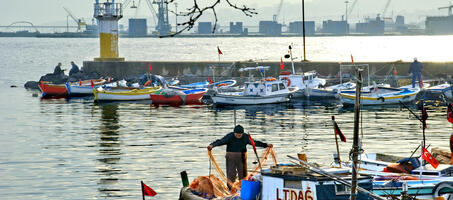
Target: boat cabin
x=269, y=86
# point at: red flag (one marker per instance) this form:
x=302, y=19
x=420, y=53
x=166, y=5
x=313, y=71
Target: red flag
x=80, y=82
x=210, y=80
x=218, y=50
x=92, y=84
x=252, y=143
x=450, y=113
x=394, y=71
x=429, y=158
x=337, y=130
x=147, y=191
x=352, y=59
x=424, y=117
x=281, y=63
x=149, y=67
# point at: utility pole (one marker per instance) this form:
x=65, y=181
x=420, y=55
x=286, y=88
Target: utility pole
x=355, y=143
x=176, y=16
x=303, y=27
x=346, y=14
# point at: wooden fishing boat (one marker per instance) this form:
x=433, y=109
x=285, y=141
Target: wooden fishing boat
x=197, y=85
x=265, y=91
x=171, y=96
x=53, y=90
x=444, y=89
x=83, y=88
x=381, y=96
x=136, y=94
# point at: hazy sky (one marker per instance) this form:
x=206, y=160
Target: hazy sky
x=51, y=12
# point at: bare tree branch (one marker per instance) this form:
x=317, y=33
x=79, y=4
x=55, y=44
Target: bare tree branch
x=195, y=12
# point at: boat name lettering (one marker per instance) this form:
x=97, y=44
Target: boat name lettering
x=294, y=194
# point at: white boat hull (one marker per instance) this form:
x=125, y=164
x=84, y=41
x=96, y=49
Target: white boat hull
x=222, y=99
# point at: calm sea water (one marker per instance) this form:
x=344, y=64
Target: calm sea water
x=75, y=149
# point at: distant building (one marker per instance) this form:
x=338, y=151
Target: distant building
x=371, y=27
x=270, y=28
x=236, y=28
x=297, y=27
x=204, y=27
x=335, y=27
x=137, y=28
x=439, y=25
x=400, y=26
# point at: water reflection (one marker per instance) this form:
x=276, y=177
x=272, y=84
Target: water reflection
x=109, y=150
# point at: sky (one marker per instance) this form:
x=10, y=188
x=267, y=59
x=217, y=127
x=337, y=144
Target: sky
x=51, y=12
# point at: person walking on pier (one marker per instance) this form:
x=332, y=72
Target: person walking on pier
x=416, y=70
x=74, y=69
x=236, y=152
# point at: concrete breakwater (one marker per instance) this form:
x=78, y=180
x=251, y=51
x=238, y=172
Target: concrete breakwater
x=204, y=69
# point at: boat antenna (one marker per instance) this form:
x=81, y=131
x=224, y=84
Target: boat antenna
x=291, y=56
x=355, y=143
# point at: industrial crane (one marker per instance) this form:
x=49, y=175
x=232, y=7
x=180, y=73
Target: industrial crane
x=351, y=8
x=385, y=8
x=449, y=9
x=79, y=21
x=278, y=11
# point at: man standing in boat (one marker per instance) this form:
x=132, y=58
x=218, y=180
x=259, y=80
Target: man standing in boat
x=236, y=155
x=416, y=70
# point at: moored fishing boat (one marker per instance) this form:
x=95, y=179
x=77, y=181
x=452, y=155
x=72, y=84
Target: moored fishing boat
x=83, y=88
x=171, y=96
x=197, y=85
x=268, y=90
x=136, y=94
x=381, y=96
x=305, y=82
x=53, y=90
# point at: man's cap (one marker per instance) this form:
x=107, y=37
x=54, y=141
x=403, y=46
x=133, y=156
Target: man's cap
x=238, y=129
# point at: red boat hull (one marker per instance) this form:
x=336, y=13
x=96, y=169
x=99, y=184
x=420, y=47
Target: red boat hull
x=49, y=90
x=190, y=99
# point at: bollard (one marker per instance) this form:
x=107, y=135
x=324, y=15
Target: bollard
x=185, y=179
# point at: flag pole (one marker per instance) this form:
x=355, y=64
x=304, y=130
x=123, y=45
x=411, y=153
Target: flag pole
x=143, y=192
x=336, y=141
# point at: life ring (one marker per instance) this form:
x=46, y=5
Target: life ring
x=221, y=85
x=288, y=81
x=439, y=189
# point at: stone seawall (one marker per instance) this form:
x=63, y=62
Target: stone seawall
x=231, y=69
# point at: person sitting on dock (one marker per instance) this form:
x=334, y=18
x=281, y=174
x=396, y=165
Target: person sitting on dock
x=416, y=70
x=58, y=71
x=236, y=155
x=74, y=69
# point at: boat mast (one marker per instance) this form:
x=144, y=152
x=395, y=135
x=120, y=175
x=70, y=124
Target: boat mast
x=291, y=55
x=355, y=145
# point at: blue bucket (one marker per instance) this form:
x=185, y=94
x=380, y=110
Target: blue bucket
x=250, y=190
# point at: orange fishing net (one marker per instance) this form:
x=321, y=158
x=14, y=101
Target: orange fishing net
x=211, y=185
